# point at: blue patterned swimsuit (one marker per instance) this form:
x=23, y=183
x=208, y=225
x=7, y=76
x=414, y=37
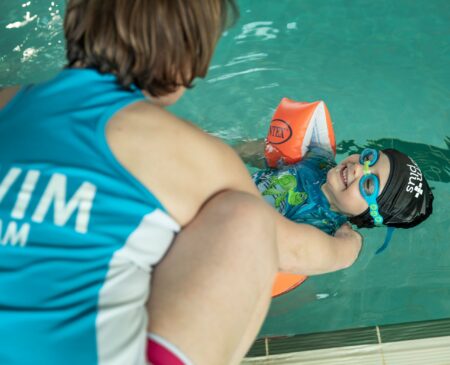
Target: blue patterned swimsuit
x=295, y=190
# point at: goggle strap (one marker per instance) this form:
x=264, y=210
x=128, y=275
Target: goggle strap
x=389, y=233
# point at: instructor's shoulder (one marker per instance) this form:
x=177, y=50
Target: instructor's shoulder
x=181, y=164
x=151, y=128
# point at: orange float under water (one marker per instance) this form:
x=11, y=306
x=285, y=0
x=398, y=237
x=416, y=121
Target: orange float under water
x=285, y=282
x=293, y=127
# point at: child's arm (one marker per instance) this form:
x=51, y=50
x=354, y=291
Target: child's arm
x=185, y=167
x=251, y=152
x=316, y=252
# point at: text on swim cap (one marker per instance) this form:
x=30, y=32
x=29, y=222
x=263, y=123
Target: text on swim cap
x=415, y=180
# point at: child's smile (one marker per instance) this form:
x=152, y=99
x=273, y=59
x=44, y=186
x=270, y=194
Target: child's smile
x=344, y=175
x=342, y=185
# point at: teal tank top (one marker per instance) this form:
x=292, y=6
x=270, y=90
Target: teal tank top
x=79, y=234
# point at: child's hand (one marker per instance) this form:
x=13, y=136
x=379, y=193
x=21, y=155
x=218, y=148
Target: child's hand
x=345, y=229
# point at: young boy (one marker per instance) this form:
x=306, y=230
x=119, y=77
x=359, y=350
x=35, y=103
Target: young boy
x=374, y=188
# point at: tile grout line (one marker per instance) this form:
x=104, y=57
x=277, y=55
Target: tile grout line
x=266, y=345
x=381, y=345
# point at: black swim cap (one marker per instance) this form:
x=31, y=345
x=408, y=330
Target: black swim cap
x=406, y=199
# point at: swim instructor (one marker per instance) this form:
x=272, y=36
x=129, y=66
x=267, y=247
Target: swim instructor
x=106, y=206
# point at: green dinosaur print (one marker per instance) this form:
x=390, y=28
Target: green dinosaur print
x=287, y=182
x=297, y=197
x=283, y=186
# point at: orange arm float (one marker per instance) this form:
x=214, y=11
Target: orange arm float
x=294, y=126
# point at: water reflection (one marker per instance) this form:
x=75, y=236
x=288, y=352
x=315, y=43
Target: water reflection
x=27, y=19
x=240, y=73
x=251, y=57
x=292, y=25
x=262, y=30
x=268, y=86
x=29, y=53
x=32, y=40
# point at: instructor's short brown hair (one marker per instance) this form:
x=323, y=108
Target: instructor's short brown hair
x=158, y=45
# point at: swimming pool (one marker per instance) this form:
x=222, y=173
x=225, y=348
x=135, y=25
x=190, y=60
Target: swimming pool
x=382, y=69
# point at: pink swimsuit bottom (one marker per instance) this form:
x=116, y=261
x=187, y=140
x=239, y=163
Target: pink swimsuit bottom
x=162, y=352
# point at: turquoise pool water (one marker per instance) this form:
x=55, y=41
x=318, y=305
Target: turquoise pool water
x=382, y=68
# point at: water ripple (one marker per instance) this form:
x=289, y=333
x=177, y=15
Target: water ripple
x=262, y=30
x=251, y=57
x=269, y=86
x=234, y=74
x=28, y=19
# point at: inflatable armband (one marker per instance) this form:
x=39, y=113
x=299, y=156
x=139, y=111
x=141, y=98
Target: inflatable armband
x=294, y=126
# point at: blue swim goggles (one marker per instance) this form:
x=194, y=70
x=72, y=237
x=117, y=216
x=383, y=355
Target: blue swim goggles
x=369, y=186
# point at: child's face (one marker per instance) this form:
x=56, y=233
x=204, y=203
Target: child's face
x=342, y=185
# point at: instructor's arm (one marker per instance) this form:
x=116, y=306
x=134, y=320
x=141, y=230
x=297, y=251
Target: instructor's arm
x=184, y=167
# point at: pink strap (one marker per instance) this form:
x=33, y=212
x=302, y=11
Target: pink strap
x=157, y=354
